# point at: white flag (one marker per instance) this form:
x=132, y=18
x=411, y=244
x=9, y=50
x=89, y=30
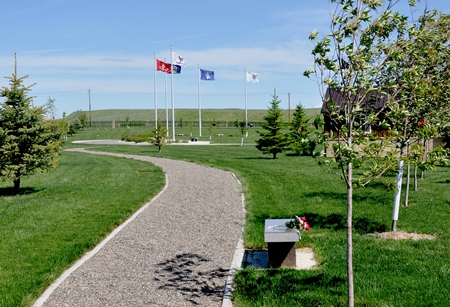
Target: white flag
x=178, y=59
x=252, y=77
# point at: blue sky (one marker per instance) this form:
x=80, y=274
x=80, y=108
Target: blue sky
x=69, y=46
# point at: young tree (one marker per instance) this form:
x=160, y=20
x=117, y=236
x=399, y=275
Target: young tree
x=212, y=124
x=243, y=128
x=298, y=137
x=50, y=108
x=420, y=75
x=191, y=125
x=158, y=137
x=28, y=143
x=299, y=121
x=82, y=118
x=348, y=60
x=273, y=141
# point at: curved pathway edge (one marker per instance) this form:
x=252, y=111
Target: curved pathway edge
x=235, y=264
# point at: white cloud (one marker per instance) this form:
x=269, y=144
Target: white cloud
x=294, y=53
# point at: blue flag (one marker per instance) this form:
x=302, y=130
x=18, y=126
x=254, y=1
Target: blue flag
x=207, y=75
x=176, y=69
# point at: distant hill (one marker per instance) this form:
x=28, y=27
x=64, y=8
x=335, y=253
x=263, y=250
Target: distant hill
x=185, y=114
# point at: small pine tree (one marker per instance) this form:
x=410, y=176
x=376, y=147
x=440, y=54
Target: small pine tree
x=28, y=142
x=158, y=137
x=273, y=141
x=299, y=122
x=299, y=140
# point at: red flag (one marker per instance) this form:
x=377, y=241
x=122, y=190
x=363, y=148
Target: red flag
x=162, y=66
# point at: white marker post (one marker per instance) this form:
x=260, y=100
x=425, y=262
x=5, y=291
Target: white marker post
x=398, y=192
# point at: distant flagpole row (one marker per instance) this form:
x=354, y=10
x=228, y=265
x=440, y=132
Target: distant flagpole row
x=174, y=67
x=167, y=104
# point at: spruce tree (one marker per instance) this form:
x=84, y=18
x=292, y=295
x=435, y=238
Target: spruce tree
x=299, y=122
x=298, y=136
x=273, y=141
x=28, y=142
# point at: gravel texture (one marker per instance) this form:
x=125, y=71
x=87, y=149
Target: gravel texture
x=176, y=252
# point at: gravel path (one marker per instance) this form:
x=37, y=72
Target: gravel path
x=175, y=252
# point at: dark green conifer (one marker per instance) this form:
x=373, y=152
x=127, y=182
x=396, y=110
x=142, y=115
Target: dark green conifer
x=274, y=140
x=29, y=142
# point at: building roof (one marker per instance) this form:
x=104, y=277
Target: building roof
x=372, y=100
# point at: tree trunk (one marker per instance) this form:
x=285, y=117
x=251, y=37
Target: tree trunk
x=408, y=174
x=351, y=294
x=415, y=178
x=16, y=186
x=424, y=158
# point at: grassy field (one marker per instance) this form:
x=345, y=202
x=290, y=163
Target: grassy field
x=387, y=272
x=188, y=114
x=60, y=215
x=230, y=135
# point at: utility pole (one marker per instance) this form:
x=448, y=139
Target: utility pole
x=289, y=107
x=90, y=113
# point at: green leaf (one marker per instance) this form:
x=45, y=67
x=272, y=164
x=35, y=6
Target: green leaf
x=313, y=35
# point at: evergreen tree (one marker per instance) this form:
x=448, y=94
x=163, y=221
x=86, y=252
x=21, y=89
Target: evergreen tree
x=299, y=140
x=299, y=122
x=28, y=142
x=273, y=141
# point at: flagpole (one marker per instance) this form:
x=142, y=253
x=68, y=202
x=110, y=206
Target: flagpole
x=173, y=100
x=246, y=118
x=154, y=89
x=167, y=104
x=199, y=104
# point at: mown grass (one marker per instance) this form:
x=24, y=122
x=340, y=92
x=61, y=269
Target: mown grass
x=230, y=135
x=60, y=215
x=387, y=272
x=188, y=115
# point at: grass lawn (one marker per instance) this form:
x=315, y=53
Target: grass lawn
x=387, y=272
x=230, y=135
x=60, y=215
x=188, y=115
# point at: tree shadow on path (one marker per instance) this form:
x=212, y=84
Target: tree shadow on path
x=184, y=274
